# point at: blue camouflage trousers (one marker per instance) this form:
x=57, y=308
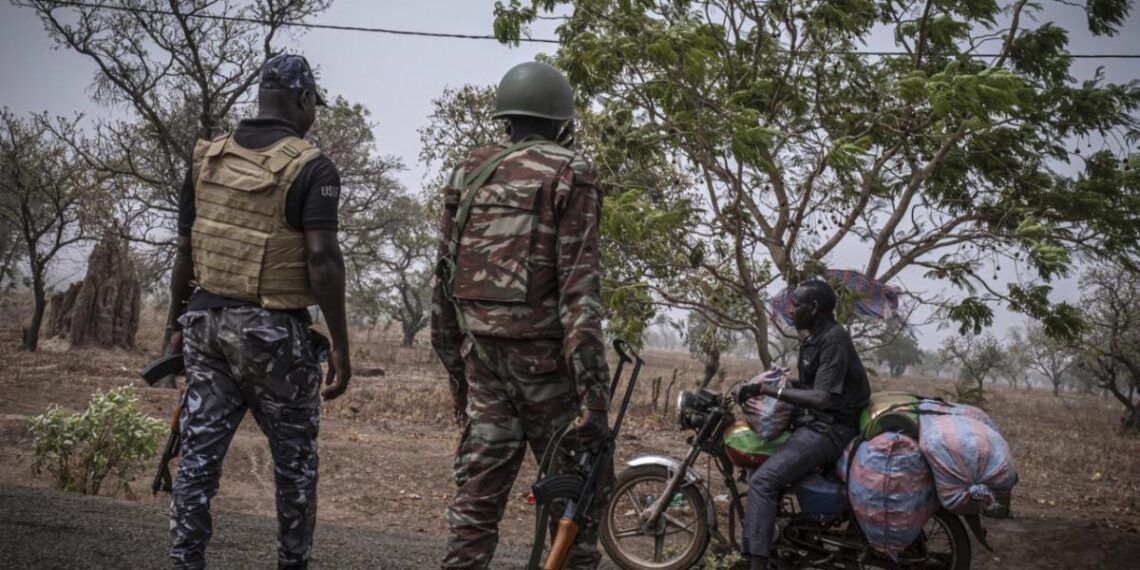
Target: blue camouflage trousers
x=237, y=359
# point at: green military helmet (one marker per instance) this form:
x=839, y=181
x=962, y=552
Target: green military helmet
x=535, y=89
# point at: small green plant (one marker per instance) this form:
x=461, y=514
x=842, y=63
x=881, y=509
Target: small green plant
x=724, y=561
x=966, y=392
x=79, y=451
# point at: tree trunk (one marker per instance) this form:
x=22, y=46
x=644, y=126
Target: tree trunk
x=1132, y=420
x=712, y=365
x=410, y=331
x=32, y=332
x=763, y=351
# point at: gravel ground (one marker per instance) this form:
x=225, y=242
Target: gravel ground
x=45, y=530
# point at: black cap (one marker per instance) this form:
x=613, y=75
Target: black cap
x=290, y=71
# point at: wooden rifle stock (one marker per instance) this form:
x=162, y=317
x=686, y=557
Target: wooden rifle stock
x=563, y=542
x=163, y=481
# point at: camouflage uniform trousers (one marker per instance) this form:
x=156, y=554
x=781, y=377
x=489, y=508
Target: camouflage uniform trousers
x=529, y=398
x=238, y=359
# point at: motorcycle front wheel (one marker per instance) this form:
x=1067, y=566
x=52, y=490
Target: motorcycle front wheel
x=676, y=542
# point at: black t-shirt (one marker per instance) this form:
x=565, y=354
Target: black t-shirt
x=828, y=361
x=310, y=205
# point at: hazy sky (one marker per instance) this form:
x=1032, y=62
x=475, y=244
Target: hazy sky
x=397, y=76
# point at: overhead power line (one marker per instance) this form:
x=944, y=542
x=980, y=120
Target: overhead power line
x=367, y=29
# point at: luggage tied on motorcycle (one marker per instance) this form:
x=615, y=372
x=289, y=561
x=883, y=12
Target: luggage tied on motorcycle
x=472, y=183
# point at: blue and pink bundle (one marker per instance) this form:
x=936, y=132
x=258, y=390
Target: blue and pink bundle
x=891, y=491
x=971, y=462
x=768, y=416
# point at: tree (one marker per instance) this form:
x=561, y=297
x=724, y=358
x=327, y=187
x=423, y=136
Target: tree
x=460, y=121
x=398, y=285
x=939, y=158
x=386, y=233
x=182, y=69
x=1110, y=348
x=43, y=189
x=1017, y=364
x=899, y=353
x=976, y=356
x=706, y=342
x=1050, y=357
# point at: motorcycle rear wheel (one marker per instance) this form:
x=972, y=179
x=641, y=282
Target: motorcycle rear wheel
x=944, y=545
x=633, y=546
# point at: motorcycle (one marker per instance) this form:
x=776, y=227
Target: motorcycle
x=663, y=515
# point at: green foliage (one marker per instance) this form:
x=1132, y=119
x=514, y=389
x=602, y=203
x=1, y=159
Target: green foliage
x=720, y=561
x=972, y=315
x=966, y=393
x=792, y=143
x=109, y=438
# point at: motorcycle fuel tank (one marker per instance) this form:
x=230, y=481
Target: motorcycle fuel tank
x=745, y=449
x=821, y=497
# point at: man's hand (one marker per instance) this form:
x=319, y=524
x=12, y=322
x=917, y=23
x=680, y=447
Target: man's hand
x=592, y=427
x=749, y=391
x=175, y=345
x=340, y=371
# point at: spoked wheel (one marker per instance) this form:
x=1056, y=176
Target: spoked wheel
x=678, y=539
x=943, y=545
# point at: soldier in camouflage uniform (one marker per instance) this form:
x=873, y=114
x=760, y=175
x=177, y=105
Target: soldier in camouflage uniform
x=516, y=315
x=257, y=235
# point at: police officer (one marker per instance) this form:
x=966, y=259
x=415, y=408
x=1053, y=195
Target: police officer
x=516, y=315
x=831, y=391
x=257, y=228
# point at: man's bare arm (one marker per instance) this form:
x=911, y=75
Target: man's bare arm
x=180, y=289
x=326, y=278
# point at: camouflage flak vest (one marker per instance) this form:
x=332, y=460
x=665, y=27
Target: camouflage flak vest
x=243, y=247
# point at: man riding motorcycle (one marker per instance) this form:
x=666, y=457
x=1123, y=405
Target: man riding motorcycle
x=831, y=391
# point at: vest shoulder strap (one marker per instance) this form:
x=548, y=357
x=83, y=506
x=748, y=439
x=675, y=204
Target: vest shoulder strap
x=288, y=150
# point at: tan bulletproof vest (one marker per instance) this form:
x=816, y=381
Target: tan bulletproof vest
x=243, y=247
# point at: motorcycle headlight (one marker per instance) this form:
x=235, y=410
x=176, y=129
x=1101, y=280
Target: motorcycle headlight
x=685, y=400
x=694, y=408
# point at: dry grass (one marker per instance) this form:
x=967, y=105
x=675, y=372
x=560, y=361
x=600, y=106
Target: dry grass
x=387, y=444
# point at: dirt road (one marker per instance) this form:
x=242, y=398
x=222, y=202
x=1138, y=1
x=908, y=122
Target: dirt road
x=46, y=530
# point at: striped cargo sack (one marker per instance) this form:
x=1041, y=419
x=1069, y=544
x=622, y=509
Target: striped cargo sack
x=891, y=491
x=931, y=406
x=972, y=464
x=768, y=416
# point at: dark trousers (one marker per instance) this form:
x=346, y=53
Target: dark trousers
x=809, y=447
x=240, y=359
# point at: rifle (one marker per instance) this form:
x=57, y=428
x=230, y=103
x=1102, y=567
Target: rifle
x=174, y=364
x=580, y=490
x=155, y=371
